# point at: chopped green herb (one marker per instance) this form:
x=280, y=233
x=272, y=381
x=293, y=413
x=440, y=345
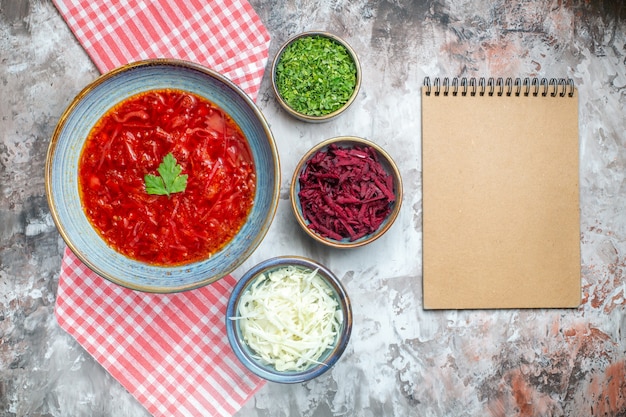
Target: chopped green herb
x=315, y=75
x=170, y=180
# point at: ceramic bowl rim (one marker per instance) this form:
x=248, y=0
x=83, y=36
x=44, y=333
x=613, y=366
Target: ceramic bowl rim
x=251, y=276
x=329, y=116
x=391, y=218
x=93, y=85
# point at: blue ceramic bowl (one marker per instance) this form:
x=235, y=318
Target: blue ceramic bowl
x=388, y=165
x=247, y=356
x=61, y=174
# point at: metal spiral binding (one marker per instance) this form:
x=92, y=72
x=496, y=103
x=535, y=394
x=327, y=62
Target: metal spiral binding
x=500, y=87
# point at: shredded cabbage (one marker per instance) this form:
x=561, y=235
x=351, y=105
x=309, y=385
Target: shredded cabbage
x=289, y=318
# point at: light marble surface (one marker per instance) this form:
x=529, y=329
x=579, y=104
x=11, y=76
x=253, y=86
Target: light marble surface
x=402, y=360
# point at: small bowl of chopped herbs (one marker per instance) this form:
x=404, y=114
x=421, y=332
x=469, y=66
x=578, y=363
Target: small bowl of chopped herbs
x=346, y=192
x=316, y=76
x=288, y=319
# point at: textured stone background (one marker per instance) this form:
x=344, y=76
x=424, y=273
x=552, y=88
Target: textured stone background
x=402, y=360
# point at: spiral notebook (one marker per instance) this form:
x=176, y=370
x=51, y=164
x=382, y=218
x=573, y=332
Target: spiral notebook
x=500, y=165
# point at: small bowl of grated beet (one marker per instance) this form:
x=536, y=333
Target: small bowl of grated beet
x=346, y=192
x=316, y=76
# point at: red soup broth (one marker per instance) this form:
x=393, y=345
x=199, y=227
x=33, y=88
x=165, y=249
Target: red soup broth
x=130, y=141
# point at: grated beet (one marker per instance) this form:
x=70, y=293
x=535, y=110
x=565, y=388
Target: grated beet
x=345, y=192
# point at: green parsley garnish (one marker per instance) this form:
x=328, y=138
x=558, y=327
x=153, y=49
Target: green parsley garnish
x=315, y=75
x=170, y=180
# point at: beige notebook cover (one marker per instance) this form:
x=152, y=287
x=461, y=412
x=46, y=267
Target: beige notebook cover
x=501, y=223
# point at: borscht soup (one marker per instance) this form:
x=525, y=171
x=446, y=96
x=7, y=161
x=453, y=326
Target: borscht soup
x=166, y=177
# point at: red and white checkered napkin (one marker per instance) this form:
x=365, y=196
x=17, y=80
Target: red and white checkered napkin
x=170, y=351
x=224, y=35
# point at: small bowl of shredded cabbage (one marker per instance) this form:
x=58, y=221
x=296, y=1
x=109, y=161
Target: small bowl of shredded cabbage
x=289, y=319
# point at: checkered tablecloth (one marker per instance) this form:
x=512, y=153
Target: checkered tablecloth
x=224, y=35
x=170, y=351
